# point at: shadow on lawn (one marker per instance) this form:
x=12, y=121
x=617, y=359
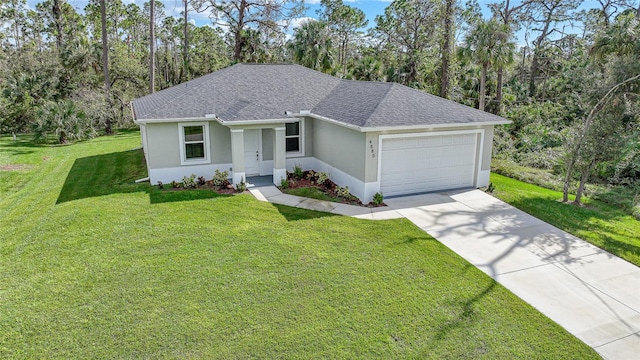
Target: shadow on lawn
x=293, y=213
x=575, y=219
x=115, y=173
x=101, y=175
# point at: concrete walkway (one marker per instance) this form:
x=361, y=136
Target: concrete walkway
x=588, y=291
x=273, y=195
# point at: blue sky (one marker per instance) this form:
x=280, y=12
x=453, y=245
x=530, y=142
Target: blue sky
x=370, y=7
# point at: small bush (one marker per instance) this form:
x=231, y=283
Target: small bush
x=175, y=184
x=490, y=188
x=377, y=199
x=322, y=178
x=241, y=186
x=220, y=179
x=284, y=183
x=311, y=176
x=343, y=192
x=201, y=181
x=297, y=172
x=160, y=185
x=189, y=182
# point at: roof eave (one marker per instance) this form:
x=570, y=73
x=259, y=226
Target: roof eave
x=433, y=126
x=324, y=118
x=172, y=120
x=256, y=122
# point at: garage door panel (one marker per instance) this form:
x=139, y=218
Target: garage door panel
x=427, y=163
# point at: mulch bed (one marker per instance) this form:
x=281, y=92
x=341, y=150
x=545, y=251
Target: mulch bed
x=208, y=185
x=309, y=179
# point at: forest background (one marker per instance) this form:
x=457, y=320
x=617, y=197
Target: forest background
x=566, y=72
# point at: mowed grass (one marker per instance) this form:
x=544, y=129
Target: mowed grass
x=311, y=192
x=603, y=225
x=95, y=266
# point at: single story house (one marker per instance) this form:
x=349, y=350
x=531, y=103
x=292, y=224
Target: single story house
x=263, y=119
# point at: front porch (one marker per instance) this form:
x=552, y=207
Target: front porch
x=250, y=159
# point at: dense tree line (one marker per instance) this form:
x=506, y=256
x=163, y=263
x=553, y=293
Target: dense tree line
x=570, y=86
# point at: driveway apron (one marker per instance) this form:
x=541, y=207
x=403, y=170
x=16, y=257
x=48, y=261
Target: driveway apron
x=588, y=291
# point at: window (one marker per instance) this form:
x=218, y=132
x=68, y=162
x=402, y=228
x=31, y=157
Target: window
x=292, y=137
x=194, y=146
x=194, y=142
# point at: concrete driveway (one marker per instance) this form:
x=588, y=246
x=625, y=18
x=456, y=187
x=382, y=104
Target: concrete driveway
x=588, y=291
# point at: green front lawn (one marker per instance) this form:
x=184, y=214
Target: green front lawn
x=311, y=192
x=95, y=266
x=603, y=225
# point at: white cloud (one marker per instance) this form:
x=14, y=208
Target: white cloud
x=297, y=22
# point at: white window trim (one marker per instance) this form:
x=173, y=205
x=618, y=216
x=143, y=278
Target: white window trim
x=301, y=137
x=207, y=147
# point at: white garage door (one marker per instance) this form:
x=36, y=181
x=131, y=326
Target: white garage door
x=427, y=163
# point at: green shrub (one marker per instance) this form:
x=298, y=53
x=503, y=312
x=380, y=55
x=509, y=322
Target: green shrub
x=241, y=186
x=201, y=181
x=297, y=172
x=343, y=192
x=322, y=178
x=490, y=188
x=284, y=183
x=377, y=199
x=220, y=178
x=189, y=182
x=175, y=184
x=160, y=185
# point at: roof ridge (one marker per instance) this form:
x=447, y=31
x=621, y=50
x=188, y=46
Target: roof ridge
x=386, y=94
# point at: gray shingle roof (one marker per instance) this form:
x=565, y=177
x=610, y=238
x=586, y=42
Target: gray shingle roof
x=265, y=91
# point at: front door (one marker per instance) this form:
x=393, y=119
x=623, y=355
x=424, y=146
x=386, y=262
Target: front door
x=252, y=154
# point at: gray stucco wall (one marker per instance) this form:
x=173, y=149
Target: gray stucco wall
x=220, y=137
x=339, y=147
x=488, y=147
x=163, y=144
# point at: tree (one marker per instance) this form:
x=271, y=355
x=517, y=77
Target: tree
x=545, y=13
x=408, y=28
x=506, y=13
x=152, y=46
x=105, y=60
x=238, y=15
x=311, y=46
x=577, y=150
x=65, y=121
x=446, y=50
x=488, y=44
x=344, y=21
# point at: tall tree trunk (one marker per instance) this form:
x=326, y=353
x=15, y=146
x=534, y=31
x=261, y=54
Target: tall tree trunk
x=105, y=64
x=533, y=73
x=152, y=46
x=237, y=33
x=583, y=180
x=186, y=42
x=57, y=18
x=499, y=91
x=483, y=89
x=446, y=49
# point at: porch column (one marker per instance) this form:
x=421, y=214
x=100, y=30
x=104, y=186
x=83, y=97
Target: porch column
x=279, y=156
x=237, y=155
